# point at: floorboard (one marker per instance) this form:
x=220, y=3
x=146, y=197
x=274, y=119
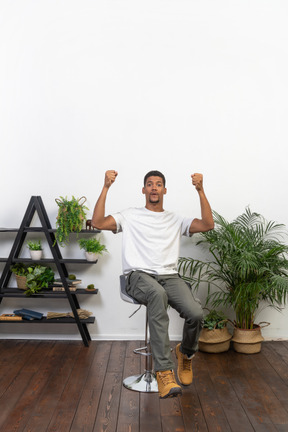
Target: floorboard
x=62, y=386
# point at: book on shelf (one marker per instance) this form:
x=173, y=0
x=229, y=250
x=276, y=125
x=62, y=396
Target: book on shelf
x=10, y=317
x=28, y=314
x=69, y=281
x=61, y=288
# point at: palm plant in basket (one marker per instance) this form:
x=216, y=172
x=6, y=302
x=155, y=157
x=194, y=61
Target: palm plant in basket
x=247, y=269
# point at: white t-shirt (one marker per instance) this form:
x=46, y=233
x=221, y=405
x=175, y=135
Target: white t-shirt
x=151, y=240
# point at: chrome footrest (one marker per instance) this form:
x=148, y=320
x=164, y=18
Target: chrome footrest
x=139, y=351
x=145, y=382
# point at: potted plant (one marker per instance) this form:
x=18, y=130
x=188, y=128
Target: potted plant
x=215, y=336
x=247, y=266
x=92, y=248
x=70, y=218
x=90, y=288
x=35, y=249
x=32, y=278
x=20, y=271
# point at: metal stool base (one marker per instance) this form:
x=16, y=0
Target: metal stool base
x=145, y=382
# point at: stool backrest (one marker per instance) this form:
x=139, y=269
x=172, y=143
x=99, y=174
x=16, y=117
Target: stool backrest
x=123, y=293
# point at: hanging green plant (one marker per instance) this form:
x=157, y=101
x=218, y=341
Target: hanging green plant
x=70, y=218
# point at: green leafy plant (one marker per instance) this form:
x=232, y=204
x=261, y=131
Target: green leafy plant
x=215, y=320
x=92, y=245
x=38, y=277
x=70, y=218
x=34, y=245
x=247, y=269
x=90, y=287
x=19, y=269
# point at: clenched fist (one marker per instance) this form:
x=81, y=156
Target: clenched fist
x=197, y=181
x=110, y=177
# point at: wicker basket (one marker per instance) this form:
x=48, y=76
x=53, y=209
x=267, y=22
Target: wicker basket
x=214, y=341
x=21, y=282
x=247, y=341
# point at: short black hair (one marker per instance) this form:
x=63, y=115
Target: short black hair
x=154, y=174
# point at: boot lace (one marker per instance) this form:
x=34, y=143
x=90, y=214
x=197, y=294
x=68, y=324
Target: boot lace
x=167, y=377
x=186, y=364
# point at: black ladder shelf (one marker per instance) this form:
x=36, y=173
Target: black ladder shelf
x=36, y=205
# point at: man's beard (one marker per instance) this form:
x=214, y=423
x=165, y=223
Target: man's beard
x=155, y=201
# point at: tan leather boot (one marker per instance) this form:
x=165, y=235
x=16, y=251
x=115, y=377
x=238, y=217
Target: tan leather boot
x=167, y=385
x=184, y=370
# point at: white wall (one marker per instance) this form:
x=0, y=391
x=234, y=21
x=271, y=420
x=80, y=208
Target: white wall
x=179, y=86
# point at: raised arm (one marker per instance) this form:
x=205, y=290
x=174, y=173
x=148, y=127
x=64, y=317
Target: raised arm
x=206, y=223
x=99, y=220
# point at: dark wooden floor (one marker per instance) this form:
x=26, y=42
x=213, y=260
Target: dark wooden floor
x=64, y=387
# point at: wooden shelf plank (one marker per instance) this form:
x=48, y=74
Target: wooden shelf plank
x=51, y=260
x=50, y=230
x=64, y=320
x=15, y=292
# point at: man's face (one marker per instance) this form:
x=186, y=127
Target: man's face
x=154, y=190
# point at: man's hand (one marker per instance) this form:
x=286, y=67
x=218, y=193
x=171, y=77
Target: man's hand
x=110, y=177
x=197, y=181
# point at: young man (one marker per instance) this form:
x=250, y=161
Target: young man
x=151, y=241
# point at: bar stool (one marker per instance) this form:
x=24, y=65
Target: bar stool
x=145, y=382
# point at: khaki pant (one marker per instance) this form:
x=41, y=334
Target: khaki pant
x=157, y=292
